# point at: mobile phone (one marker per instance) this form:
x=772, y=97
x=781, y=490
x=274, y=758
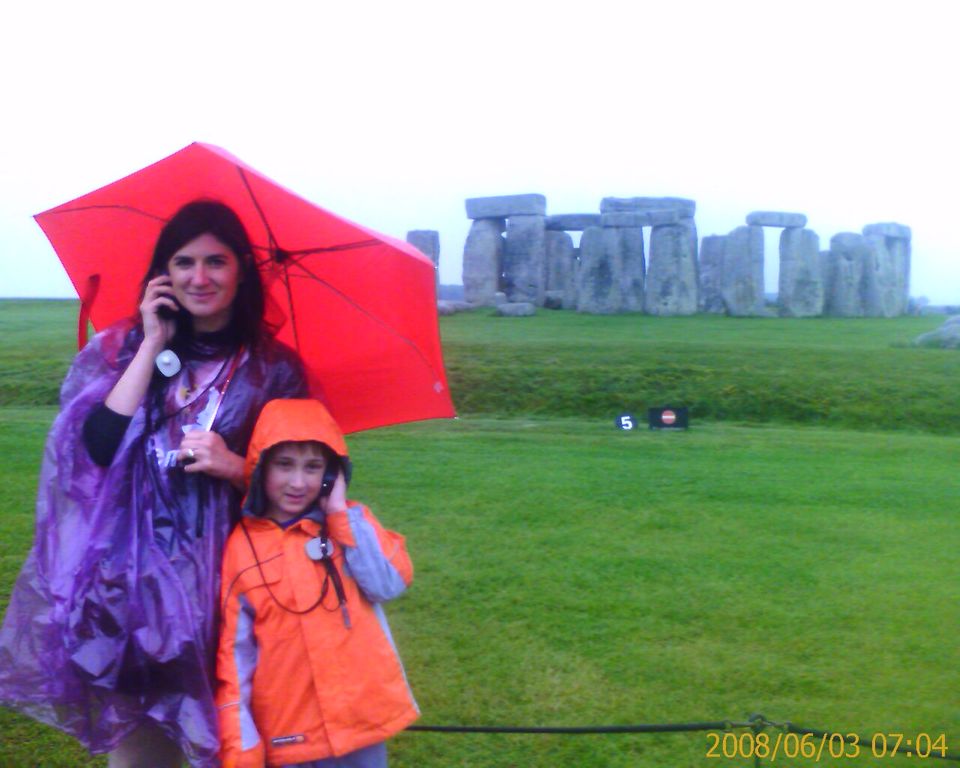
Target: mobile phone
x=329, y=477
x=166, y=313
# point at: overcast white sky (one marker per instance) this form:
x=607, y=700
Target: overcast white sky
x=391, y=113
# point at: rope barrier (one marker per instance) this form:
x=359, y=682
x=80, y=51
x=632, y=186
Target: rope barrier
x=757, y=723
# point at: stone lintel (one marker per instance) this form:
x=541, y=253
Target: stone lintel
x=684, y=207
x=888, y=229
x=573, y=222
x=640, y=218
x=776, y=219
x=504, y=206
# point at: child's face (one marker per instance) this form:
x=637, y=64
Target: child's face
x=294, y=473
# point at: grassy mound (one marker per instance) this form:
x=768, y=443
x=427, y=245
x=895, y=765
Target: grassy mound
x=833, y=372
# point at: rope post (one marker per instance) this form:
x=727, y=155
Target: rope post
x=757, y=723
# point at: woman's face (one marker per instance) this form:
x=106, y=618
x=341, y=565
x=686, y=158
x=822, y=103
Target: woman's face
x=205, y=275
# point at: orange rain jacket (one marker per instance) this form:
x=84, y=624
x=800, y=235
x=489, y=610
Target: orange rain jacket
x=294, y=687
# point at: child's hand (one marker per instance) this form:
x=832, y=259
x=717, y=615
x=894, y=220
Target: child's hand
x=337, y=500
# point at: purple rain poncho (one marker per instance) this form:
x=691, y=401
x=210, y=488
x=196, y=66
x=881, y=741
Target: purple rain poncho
x=113, y=620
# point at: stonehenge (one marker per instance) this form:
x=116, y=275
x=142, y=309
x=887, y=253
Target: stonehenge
x=516, y=249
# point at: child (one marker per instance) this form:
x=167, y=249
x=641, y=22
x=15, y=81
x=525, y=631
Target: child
x=307, y=673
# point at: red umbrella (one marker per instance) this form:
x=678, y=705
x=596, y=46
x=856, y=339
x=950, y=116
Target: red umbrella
x=360, y=307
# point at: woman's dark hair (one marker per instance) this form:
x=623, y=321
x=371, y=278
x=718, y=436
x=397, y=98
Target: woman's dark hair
x=212, y=217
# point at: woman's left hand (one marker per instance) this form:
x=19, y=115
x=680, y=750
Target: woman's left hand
x=207, y=452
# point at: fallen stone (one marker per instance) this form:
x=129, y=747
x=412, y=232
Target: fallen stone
x=800, y=292
x=672, y=281
x=685, y=208
x=741, y=282
x=711, y=273
x=947, y=336
x=499, y=298
x=483, y=261
x=505, y=206
x=516, y=309
x=524, y=259
x=634, y=219
x=888, y=229
x=573, y=222
x=776, y=219
x=598, y=289
x=450, y=306
x=937, y=309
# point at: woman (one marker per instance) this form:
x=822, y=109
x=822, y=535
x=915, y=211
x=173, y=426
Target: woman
x=111, y=630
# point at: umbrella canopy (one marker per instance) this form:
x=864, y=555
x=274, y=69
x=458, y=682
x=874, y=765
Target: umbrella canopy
x=358, y=306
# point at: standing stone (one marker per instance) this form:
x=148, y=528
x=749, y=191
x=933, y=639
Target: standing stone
x=570, y=287
x=711, y=274
x=900, y=254
x=742, y=279
x=598, y=290
x=827, y=276
x=483, y=261
x=879, y=281
x=629, y=265
x=524, y=259
x=427, y=241
x=560, y=256
x=891, y=242
x=849, y=254
x=672, y=281
x=801, y=283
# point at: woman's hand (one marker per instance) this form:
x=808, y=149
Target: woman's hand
x=337, y=500
x=126, y=395
x=206, y=452
x=157, y=330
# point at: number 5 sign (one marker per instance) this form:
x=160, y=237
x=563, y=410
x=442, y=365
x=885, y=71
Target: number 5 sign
x=626, y=422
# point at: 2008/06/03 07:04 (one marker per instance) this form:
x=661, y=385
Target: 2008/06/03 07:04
x=825, y=745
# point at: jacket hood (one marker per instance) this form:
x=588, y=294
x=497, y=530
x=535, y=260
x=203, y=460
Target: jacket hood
x=290, y=420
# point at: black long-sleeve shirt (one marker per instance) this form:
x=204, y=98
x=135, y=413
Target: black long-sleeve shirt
x=103, y=429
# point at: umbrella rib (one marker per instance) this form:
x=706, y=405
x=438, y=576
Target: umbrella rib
x=293, y=315
x=130, y=208
x=363, y=310
x=256, y=204
x=299, y=252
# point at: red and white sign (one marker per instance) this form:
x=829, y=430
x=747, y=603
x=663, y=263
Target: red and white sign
x=668, y=417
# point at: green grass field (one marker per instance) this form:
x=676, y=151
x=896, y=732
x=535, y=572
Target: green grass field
x=781, y=557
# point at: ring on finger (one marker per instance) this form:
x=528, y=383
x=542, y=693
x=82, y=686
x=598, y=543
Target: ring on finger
x=191, y=454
